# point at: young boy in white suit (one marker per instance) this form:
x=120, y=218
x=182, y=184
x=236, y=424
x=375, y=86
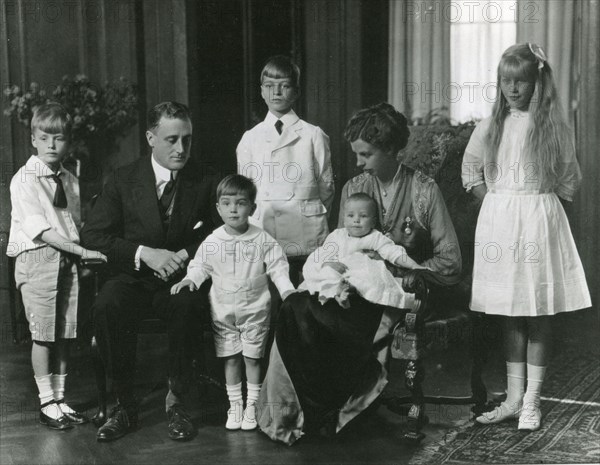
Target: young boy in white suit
x=290, y=162
x=240, y=258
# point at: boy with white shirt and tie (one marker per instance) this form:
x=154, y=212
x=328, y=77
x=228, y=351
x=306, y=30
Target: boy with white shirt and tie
x=44, y=238
x=290, y=162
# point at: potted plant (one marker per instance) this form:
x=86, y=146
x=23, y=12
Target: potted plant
x=101, y=114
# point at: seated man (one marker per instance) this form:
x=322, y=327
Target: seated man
x=149, y=220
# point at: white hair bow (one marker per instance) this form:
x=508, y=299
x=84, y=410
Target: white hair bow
x=538, y=53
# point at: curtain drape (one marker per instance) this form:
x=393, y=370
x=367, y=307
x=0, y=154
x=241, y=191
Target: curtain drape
x=419, y=56
x=551, y=24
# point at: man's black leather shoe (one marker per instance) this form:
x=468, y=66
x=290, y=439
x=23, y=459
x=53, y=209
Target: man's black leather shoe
x=180, y=424
x=120, y=422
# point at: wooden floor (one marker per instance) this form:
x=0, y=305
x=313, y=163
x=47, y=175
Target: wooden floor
x=373, y=439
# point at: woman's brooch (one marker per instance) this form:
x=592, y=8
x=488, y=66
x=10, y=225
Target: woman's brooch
x=407, y=226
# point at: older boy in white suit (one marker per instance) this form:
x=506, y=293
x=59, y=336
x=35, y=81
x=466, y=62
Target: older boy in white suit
x=290, y=162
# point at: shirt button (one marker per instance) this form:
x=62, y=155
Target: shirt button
x=266, y=194
x=277, y=213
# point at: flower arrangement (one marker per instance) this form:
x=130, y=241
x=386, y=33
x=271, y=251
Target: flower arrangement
x=101, y=115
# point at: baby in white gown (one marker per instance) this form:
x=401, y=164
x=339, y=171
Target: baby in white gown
x=340, y=264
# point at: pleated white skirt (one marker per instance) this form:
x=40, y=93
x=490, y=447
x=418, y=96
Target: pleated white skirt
x=526, y=261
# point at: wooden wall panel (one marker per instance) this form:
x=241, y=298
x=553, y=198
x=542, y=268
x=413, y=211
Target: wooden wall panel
x=216, y=73
x=333, y=75
x=165, y=51
x=586, y=220
x=229, y=41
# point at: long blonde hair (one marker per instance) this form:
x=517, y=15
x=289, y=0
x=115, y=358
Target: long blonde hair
x=548, y=134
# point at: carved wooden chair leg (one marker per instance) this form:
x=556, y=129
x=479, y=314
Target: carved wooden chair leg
x=100, y=418
x=413, y=378
x=410, y=344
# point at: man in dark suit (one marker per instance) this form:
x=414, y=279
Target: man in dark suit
x=149, y=220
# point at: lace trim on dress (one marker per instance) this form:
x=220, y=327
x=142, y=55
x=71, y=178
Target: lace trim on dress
x=421, y=195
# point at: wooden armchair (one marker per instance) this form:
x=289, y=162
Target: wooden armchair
x=202, y=372
x=442, y=316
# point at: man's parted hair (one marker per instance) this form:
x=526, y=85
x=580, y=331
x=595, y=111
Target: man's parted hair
x=171, y=110
x=236, y=184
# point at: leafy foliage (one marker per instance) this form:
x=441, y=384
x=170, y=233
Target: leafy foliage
x=101, y=115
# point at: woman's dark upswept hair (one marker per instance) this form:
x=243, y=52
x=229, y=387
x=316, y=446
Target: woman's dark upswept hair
x=548, y=134
x=380, y=125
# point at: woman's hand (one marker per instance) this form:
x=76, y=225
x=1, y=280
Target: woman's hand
x=372, y=254
x=337, y=266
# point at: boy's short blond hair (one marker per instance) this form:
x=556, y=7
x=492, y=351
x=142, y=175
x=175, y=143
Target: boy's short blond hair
x=281, y=67
x=52, y=118
x=236, y=184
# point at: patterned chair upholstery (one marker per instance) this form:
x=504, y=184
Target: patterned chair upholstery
x=443, y=318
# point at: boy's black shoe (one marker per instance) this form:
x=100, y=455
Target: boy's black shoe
x=180, y=425
x=61, y=423
x=75, y=418
x=120, y=422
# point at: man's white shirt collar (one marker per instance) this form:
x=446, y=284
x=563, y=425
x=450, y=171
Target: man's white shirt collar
x=161, y=174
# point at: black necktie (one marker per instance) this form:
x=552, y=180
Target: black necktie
x=60, y=198
x=278, y=126
x=167, y=196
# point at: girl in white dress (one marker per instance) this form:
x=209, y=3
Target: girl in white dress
x=520, y=161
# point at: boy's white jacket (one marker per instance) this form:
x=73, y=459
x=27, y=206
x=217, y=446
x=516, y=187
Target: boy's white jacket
x=235, y=262
x=294, y=178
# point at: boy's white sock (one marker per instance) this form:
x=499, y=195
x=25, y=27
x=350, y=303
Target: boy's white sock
x=249, y=421
x=46, y=395
x=515, y=383
x=58, y=386
x=44, y=385
x=234, y=415
x=535, y=379
x=253, y=392
x=234, y=393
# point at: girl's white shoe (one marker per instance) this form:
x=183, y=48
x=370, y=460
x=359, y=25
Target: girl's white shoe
x=249, y=420
x=530, y=419
x=501, y=413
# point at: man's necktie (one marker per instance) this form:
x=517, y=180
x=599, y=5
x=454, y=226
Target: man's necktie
x=278, y=126
x=167, y=196
x=60, y=198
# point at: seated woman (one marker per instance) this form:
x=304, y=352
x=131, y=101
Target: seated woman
x=322, y=369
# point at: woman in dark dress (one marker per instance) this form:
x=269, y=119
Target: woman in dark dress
x=322, y=369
